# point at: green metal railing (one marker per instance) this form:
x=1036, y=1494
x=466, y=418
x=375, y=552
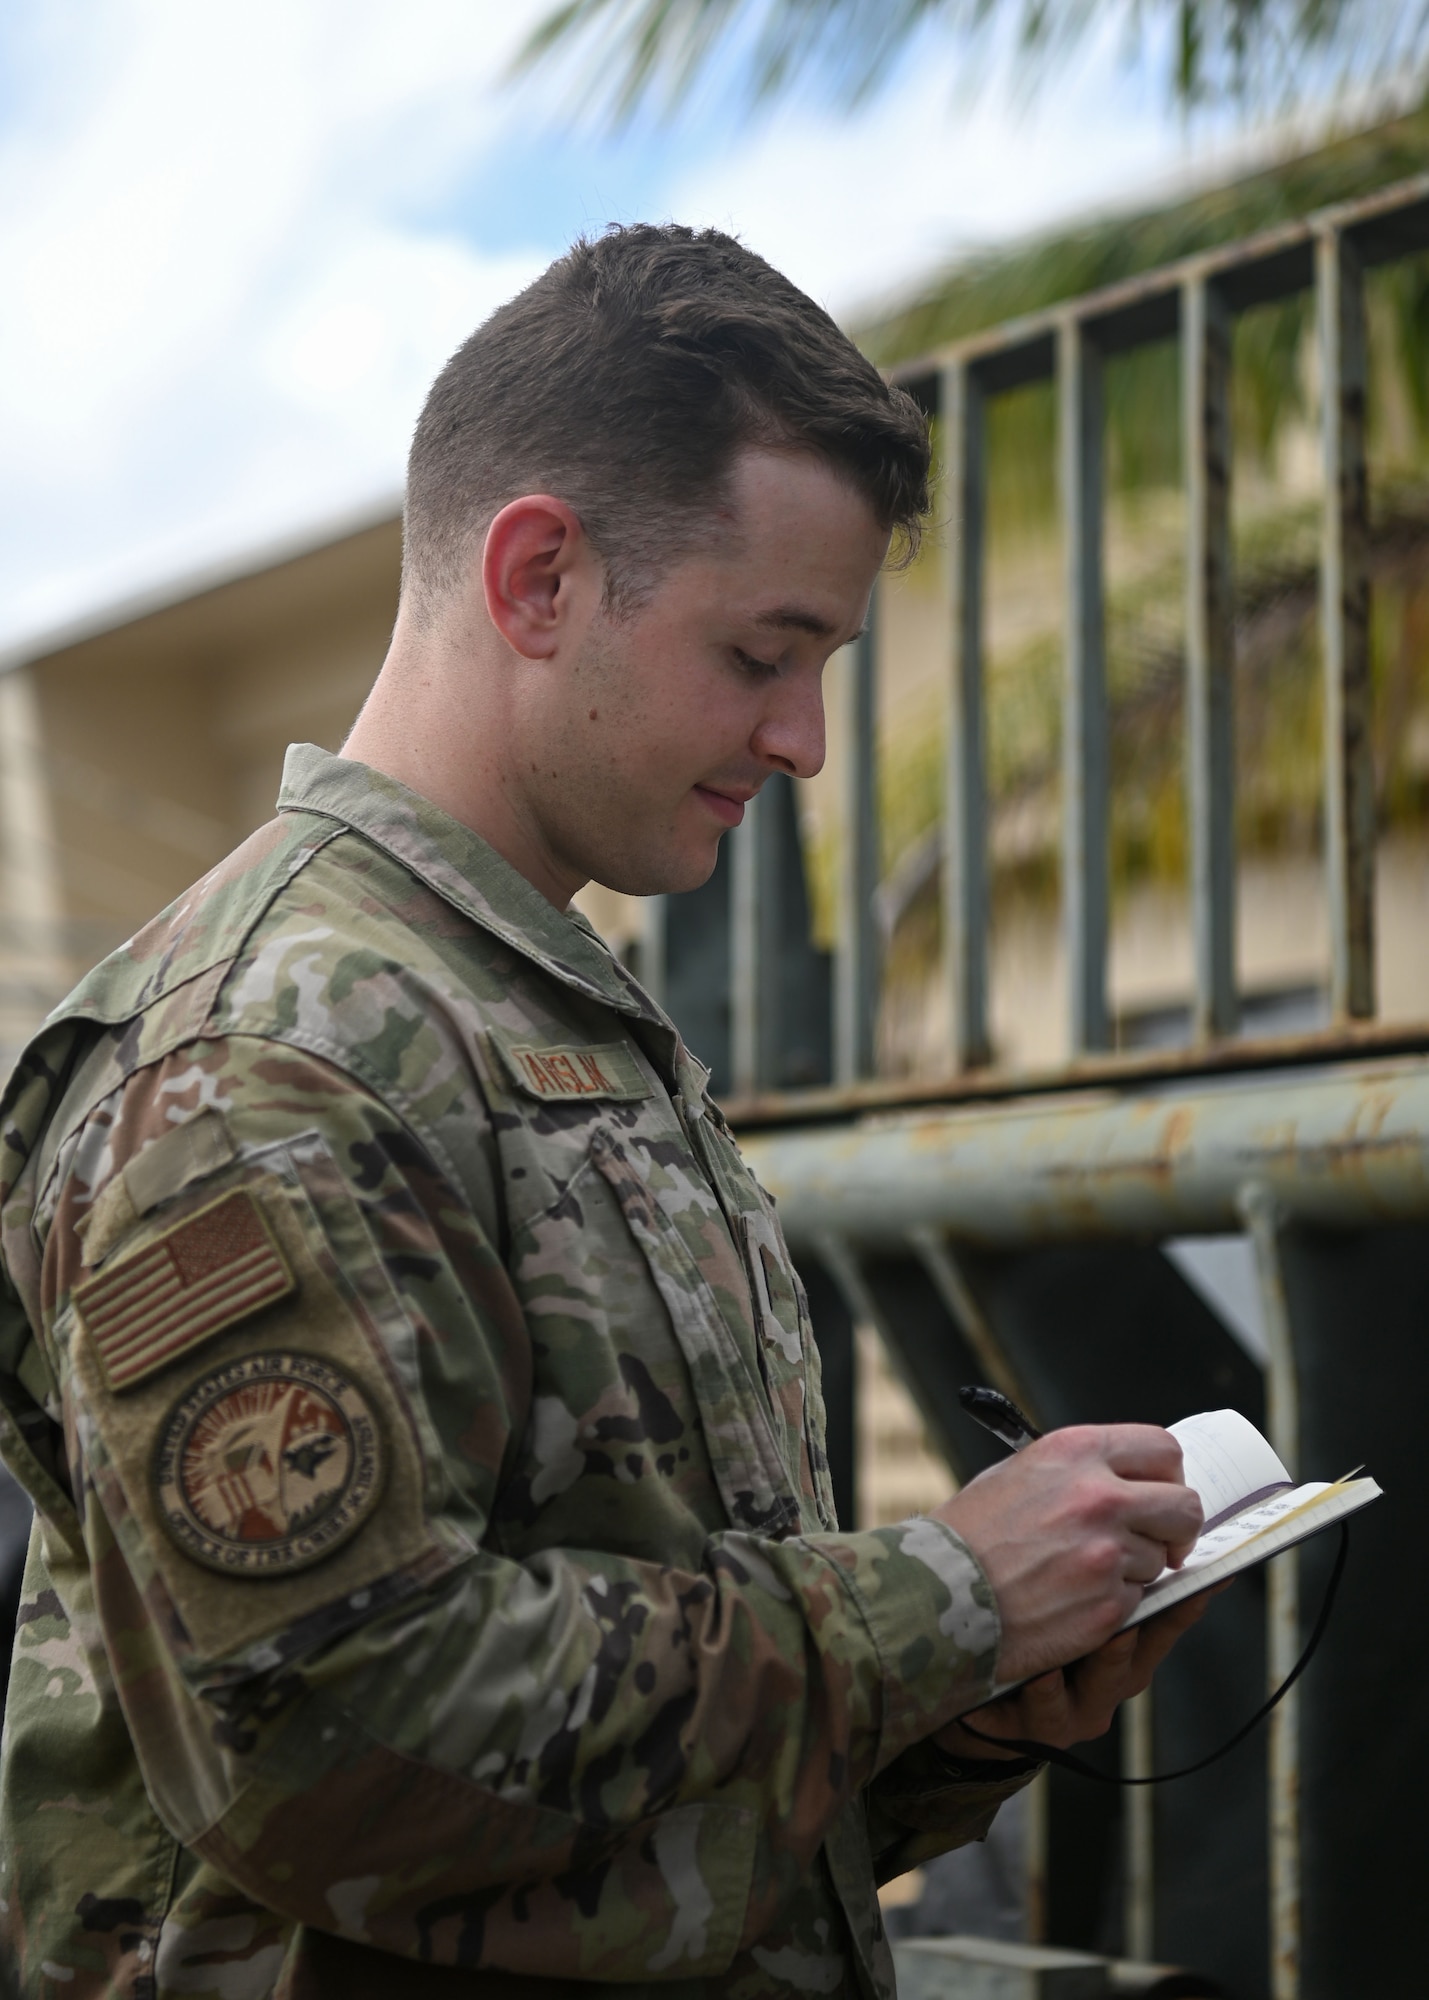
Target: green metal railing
x=1011, y=1226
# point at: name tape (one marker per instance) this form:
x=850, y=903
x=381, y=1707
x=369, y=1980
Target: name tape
x=569, y=1074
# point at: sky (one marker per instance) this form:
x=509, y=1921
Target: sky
x=240, y=240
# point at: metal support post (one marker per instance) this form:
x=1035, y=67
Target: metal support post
x=1210, y=652
x=856, y=962
x=754, y=960
x=30, y=883
x=1139, y=1882
x=838, y=1259
x=940, y=1261
x=1085, y=778
x=1282, y=1397
x=1344, y=617
x=653, y=950
x=965, y=792
x=1035, y=1855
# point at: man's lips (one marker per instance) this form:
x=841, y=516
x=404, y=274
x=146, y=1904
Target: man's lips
x=723, y=805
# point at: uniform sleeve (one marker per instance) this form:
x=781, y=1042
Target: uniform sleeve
x=927, y=1803
x=294, y=1372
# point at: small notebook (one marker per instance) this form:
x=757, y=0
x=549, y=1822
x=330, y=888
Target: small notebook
x=1253, y=1510
x=1253, y=1507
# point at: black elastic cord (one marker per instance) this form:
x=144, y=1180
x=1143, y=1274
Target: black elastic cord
x=1045, y=1753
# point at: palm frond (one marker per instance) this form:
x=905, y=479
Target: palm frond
x=1257, y=53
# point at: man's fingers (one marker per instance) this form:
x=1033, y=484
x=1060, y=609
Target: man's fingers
x=1167, y=1511
x=1159, y=1634
x=1143, y=1560
x=1169, y=1516
x=1124, y=1666
x=1069, y=1531
x=1142, y=1451
x=1105, y=1678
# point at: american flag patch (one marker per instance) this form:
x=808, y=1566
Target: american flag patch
x=209, y=1271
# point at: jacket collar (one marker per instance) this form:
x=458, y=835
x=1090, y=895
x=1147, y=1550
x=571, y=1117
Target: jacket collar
x=462, y=868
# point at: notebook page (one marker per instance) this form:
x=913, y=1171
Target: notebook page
x=1282, y=1521
x=1243, y=1528
x=1226, y=1461
x=1296, y=1517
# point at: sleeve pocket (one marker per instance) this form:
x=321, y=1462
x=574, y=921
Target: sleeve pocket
x=265, y=1479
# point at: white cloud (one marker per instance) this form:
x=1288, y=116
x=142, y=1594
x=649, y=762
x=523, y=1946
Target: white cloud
x=227, y=325
x=215, y=219
x=854, y=210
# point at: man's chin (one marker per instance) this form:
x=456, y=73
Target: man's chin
x=668, y=873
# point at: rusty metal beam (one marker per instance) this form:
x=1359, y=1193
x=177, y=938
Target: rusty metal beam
x=1281, y=1054
x=1085, y=774
x=1210, y=653
x=965, y=899
x=1349, y=1145
x=1344, y=620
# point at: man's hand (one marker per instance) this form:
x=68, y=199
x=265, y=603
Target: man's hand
x=1073, y=1704
x=1069, y=1531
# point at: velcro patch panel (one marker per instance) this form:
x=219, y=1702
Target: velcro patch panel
x=195, y=1280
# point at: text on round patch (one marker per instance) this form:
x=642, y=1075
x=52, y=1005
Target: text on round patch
x=268, y=1465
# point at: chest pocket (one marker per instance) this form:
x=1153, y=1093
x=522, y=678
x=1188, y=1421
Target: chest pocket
x=753, y=1475
x=788, y=1356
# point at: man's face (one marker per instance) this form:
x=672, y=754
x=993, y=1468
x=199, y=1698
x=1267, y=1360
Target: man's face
x=668, y=721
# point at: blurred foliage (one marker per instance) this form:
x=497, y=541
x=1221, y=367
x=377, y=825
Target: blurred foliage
x=1279, y=717
x=1252, y=53
x=1142, y=388
x=1276, y=539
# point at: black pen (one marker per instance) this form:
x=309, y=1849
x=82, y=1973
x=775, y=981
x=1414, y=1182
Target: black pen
x=1000, y=1415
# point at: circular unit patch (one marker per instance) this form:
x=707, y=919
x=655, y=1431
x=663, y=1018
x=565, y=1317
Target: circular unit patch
x=268, y=1465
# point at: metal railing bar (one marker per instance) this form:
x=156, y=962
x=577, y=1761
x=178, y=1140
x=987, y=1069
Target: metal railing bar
x=820, y=1104
x=1263, y=1222
x=1386, y=230
x=1345, y=1147
x=1085, y=858
x=965, y=889
x=654, y=948
x=949, y=1280
x=1393, y=221
x=840, y=1259
x=1139, y=1807
x=856, y=957
x=746, y=1025
x=1344, y=620
x=1210, y=654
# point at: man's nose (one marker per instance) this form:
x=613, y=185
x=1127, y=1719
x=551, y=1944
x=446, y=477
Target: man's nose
x=790, y=733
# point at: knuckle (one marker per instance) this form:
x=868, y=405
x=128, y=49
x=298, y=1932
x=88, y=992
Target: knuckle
x=1101, y=1504
x=1080, y=1440
x=1102, y=1559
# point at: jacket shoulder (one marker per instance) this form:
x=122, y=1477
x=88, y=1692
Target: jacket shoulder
x=204, y=927
x=153, y=992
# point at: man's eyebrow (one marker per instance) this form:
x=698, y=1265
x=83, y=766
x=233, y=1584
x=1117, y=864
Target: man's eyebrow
x=792, y=618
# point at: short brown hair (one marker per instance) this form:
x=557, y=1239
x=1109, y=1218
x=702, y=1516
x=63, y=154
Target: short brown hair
x=625, y=380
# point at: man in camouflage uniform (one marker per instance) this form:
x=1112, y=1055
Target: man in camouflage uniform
x=436, y=1587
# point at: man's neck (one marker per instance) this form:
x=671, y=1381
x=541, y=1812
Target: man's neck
x=430, y=723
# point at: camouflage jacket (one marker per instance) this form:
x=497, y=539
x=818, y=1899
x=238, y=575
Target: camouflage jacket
x=435, y=1553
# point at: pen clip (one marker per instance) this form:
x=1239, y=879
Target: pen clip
x=999, y=1414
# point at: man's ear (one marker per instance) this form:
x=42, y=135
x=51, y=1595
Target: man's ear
x=536, y=554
